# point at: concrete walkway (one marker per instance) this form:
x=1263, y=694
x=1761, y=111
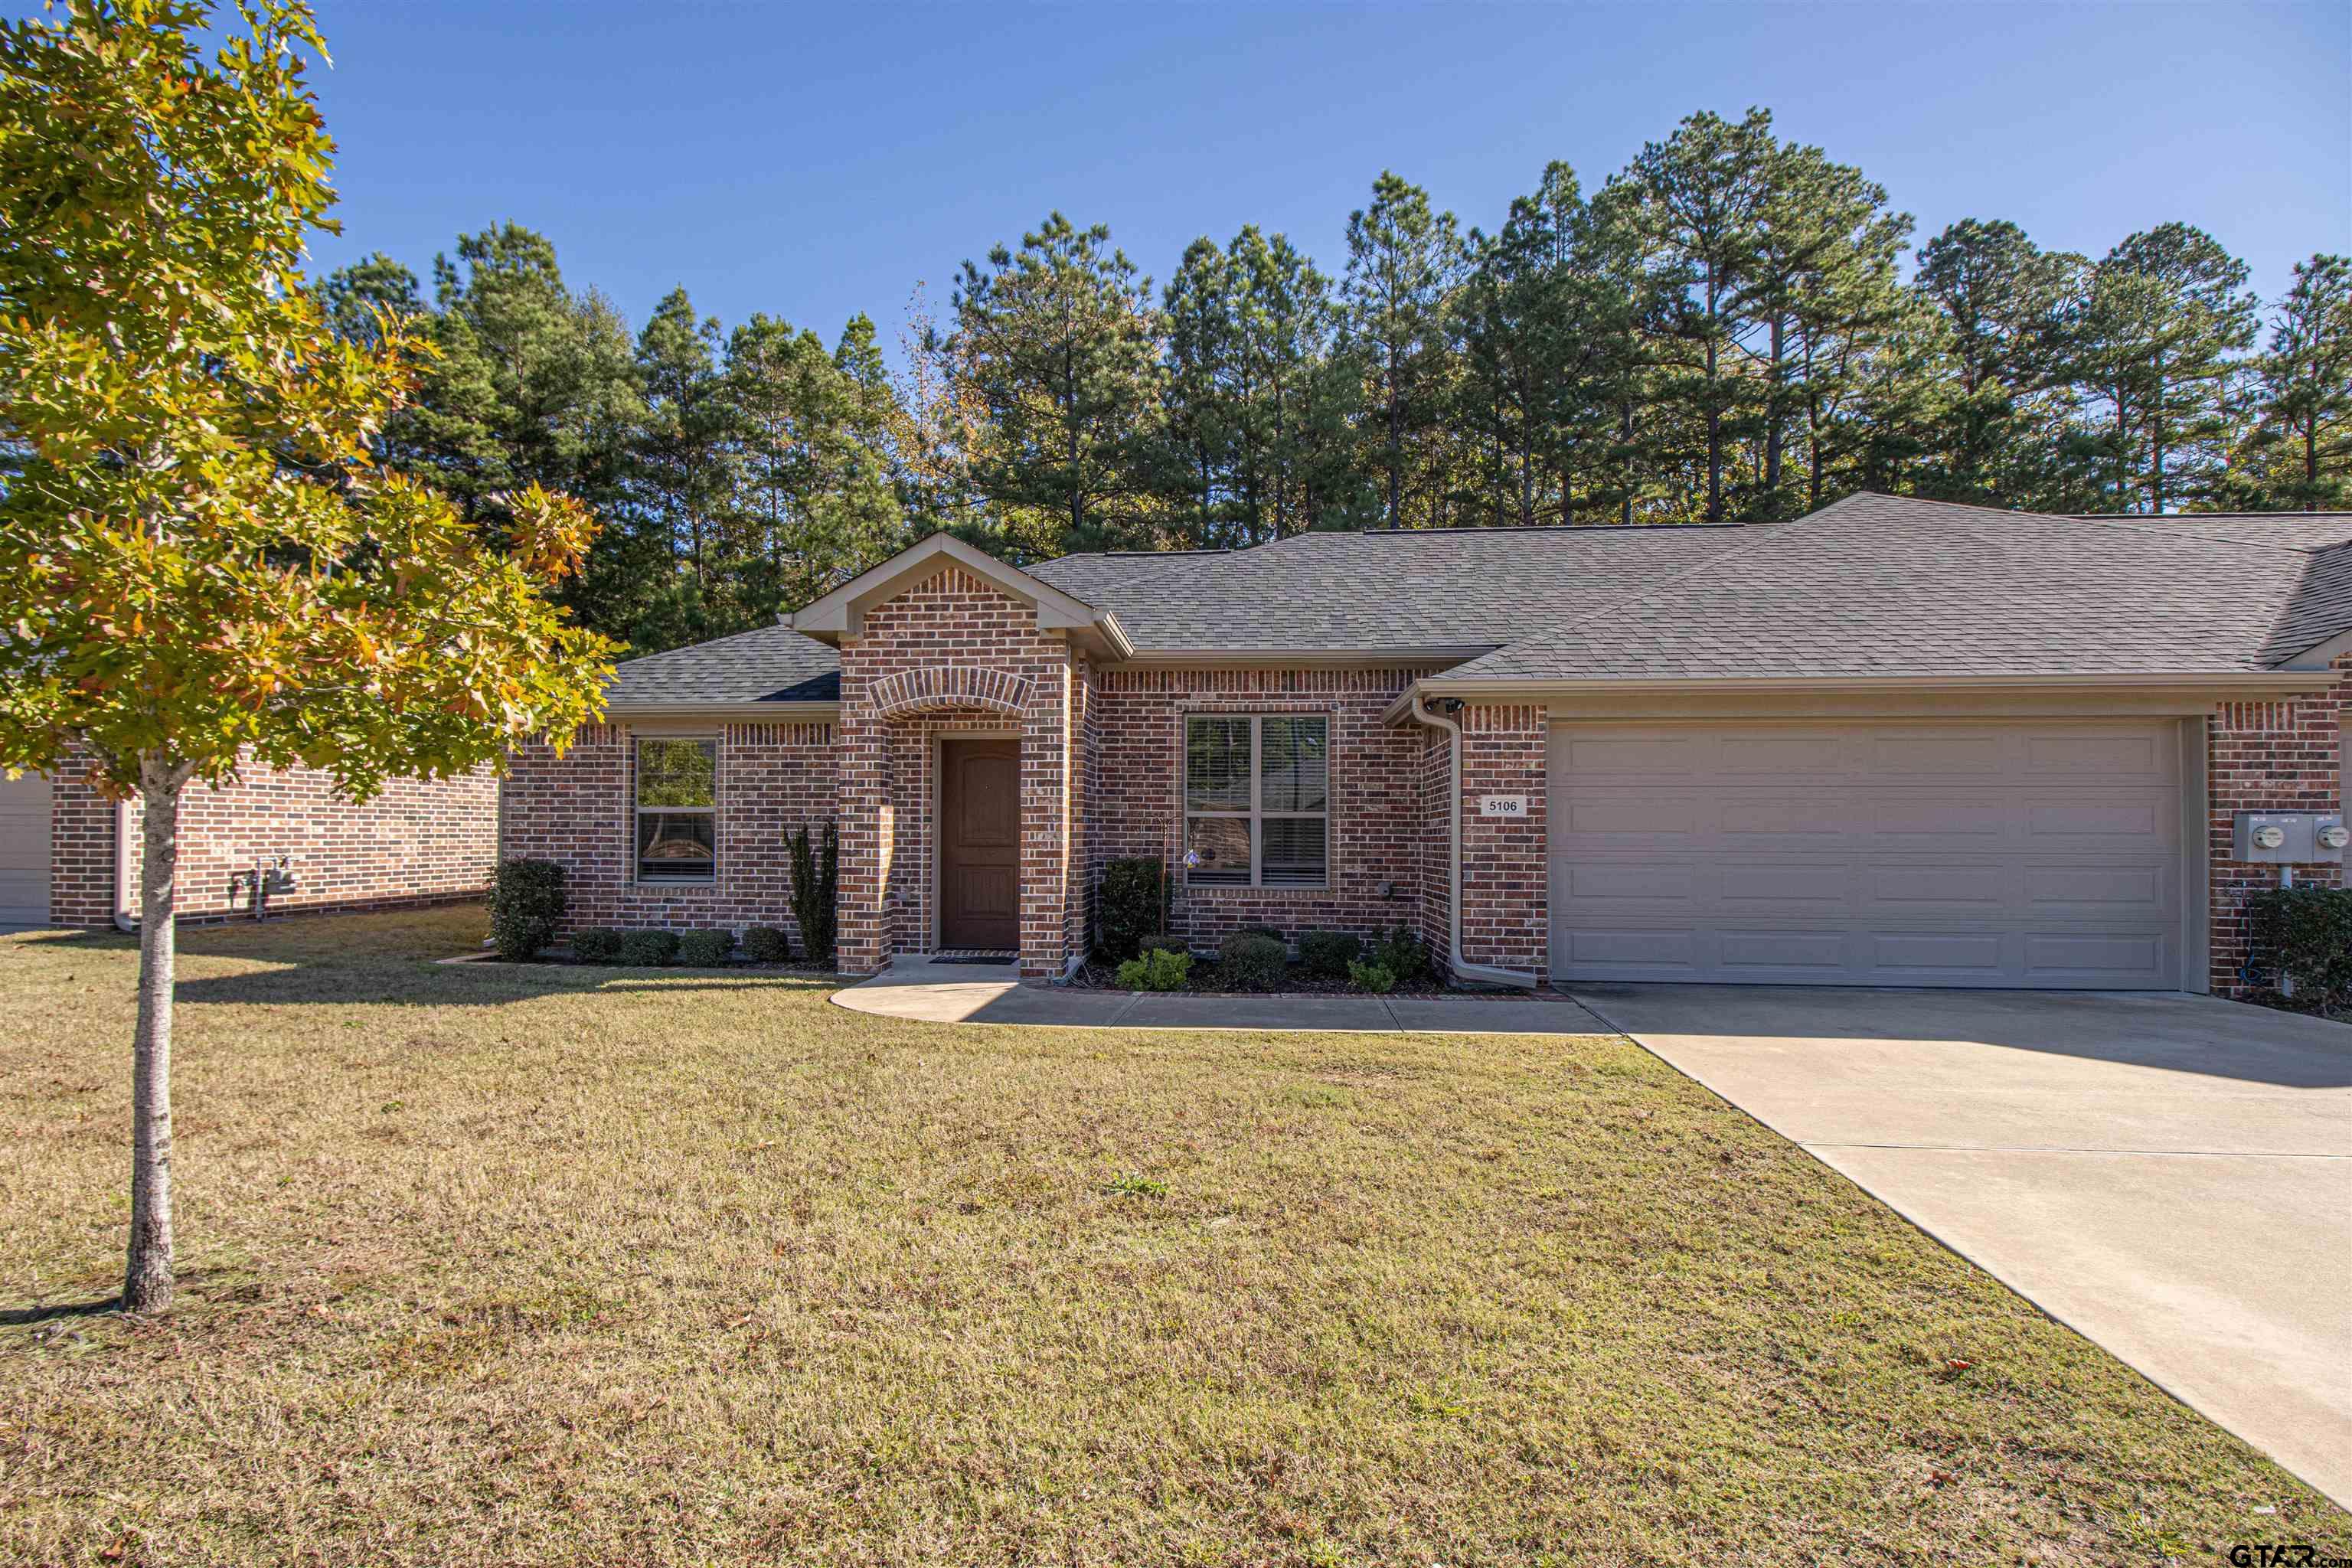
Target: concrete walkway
x=972, y=994
x=2170, y=1175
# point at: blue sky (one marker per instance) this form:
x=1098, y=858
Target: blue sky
x=813, y=162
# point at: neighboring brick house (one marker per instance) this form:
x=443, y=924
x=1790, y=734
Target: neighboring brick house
x=1892, y=742
x=420, y=841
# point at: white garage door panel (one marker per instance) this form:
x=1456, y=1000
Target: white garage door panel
x=24, y=852
x=2030, y=854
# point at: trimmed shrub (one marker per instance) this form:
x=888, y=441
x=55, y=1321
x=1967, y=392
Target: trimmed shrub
x=2307, y=933
x=597, y=946
x=1329, y=952
x=1250, y=961
x=527, y=905
x=1162, y=941
x=766, y=944
x=1401, y=953
x=703, y=949
x=1156, y=970
x=1133, y=904
x=1375, y=978
x=816, y=878
x=646, y=948
x=1273, y=933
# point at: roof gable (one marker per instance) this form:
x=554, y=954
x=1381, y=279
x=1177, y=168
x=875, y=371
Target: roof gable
x=838, y=613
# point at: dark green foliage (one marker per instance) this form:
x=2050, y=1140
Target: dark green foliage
x=1401, y=953
x=1251, y=961
x=647, y=949
x=1157, y=970
x=766, y=944
x=527, y=905
x=2307, y=933
x=1329, y=952
x=1134, y=902
x=1375, y=978
x=597, y=946
x=703, y=949
x=816, y=879
x=1271, y=932
x=1162, y=941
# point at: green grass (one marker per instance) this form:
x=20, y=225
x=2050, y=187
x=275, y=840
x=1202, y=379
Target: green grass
x=559, y=1265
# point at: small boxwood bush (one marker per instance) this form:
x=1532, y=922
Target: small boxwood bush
x=1162, y=941
x=1329, y=952
x=704, y=948
x=1250, y=961
x=597, y=946
x=766, y=944
x=2307, y=933
x=1401, y=953
x=1134, y=905
x=527, y=905
x=1157, y=970
x=648, y=948
x=1273, y=933
x=1375, y=978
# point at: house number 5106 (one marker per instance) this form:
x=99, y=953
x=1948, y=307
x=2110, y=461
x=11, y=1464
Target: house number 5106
x=1503, y=806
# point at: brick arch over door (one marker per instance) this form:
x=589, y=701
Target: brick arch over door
x=949, y=686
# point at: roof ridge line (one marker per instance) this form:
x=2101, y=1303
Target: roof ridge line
x=2143, y=528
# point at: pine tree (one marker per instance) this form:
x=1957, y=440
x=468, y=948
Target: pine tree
x=1403, y=262
x=1059, y=340
x=1702, y=192
x=2166, y=314
x=2300, y=453
x=2007, y=305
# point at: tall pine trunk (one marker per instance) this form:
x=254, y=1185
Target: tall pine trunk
x=147, y=1280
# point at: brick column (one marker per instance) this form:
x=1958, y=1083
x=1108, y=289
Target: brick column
x=1045, y=825
x=1506, y=889
x=862, y=909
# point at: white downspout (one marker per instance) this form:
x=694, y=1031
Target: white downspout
x=1463, y=968
x=125, y=918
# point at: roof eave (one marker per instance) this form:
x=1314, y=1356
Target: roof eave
x=750, y=711
x=1532, y=689
x=1443, y=654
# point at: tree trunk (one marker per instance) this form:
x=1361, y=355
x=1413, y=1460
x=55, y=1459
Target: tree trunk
x=147, y=1280
x=1773, y=415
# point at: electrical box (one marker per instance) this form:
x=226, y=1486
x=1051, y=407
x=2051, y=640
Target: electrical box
x=2290, y=838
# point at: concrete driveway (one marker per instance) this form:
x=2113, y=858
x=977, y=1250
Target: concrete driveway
x=2169, y=1174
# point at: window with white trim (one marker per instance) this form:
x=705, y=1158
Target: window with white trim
x=678, y=810
x=1258, y=801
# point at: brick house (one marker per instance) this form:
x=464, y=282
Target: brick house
x=1891, y=743
x=65, y=859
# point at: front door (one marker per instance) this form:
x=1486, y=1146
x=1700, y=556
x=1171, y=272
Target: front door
x=980, y=843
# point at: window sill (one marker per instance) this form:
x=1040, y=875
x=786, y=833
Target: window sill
x=689, y=882
x=1233, y=890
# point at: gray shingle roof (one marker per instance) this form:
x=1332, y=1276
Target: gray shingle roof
x=767, y=664
x=1881, y=585
x=1873, y=585
x=1466, y=588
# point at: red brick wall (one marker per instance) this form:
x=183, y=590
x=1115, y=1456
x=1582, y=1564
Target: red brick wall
x=952, y=634
x=1506, y=885
x=578, y=810
x=420, y=841
x=1436, y=846
x=2285, y=755
x=1377, y=817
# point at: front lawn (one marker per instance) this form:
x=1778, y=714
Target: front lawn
x=543, y=1264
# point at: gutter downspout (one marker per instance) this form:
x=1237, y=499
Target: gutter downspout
x=125, y=920
x=1461, y=969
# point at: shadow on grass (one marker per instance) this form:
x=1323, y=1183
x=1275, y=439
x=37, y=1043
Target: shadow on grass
x=26, y=1317
x=391, y=960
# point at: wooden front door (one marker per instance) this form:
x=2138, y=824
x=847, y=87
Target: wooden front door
x=980, y=843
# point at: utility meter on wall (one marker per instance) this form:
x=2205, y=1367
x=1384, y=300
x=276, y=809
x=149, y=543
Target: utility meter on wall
x=2290, y=838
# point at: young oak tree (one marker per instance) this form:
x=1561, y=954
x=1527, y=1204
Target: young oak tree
x=203, y=563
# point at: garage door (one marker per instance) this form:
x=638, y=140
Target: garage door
x=24, y=852
x=1868, y=854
